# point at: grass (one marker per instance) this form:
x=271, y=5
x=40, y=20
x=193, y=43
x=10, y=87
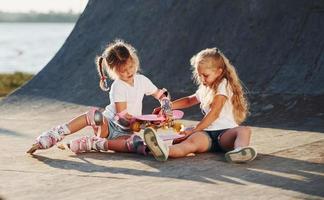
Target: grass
x=9, y=82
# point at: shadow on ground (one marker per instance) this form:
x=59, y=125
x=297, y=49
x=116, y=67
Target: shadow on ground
x=7, y=132
x=268, y=170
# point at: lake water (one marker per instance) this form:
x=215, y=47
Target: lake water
x=28, y=47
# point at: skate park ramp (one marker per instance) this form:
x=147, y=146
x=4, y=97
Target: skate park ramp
x=276, y=46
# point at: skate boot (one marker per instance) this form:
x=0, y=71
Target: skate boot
x=165, y=101
x=49, y=138
x=136, y=144
x=166, y=107
x=87, y=144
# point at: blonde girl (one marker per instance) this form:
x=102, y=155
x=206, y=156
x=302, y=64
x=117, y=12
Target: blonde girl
x=112, y=126
x=222, y=100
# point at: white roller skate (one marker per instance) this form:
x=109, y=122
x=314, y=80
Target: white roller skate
x=49, y=138
x=87, y=144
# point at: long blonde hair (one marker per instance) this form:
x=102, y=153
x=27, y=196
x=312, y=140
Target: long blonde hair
x=113, y=58
x=238, y=100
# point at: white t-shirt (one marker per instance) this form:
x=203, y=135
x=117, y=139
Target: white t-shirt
x=225, y=119
x=121, y=91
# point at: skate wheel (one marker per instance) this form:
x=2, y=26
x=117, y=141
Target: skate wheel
x=33, y=149
x=136, y=126
x=61, y=146
x=177, y=127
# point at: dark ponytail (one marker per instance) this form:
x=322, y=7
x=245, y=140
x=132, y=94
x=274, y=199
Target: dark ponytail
x=103, y=84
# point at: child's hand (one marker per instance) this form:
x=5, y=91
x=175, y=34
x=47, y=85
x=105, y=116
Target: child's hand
x=187, y=132
x=178, y=140
x=187, y=129
x=128, y=116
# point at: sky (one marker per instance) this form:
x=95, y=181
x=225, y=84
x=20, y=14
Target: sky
x=42, y=6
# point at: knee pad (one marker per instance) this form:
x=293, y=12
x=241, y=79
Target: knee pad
x=95, y=117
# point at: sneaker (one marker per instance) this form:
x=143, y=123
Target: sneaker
x=87, y=144
x=158, y=148
x=241, y=155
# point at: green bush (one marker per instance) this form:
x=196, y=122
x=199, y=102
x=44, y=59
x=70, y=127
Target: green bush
x=9, y=82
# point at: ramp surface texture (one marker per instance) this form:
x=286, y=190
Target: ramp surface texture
x=276, y=46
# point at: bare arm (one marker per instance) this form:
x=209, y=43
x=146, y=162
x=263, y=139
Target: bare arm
x=156, y=94
x=185, y=102
x=159, y=94
x=120, y=107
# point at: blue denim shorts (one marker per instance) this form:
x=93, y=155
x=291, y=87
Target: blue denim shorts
x=116, y=131
x=214, y=140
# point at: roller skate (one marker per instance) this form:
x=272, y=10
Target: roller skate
x=136, y=144
x=49, y=138
x=88, y=144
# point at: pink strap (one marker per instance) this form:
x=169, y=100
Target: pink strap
x=90, y=119
x=90, y=116
x=120, y=115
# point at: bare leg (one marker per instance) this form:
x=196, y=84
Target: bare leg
x=51, y=137
x=103, y=130
x=86, y=143
x=77, y=123
x=236, y=137
x=129, y=143
x=80, y=122
x=196, y=143
x=118, y=144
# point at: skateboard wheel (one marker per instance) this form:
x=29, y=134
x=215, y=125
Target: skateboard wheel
x=61, y=146
x=136, y=126
x=177, y=127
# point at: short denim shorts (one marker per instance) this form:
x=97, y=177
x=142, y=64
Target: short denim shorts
x=214, y=140
x=116, y=131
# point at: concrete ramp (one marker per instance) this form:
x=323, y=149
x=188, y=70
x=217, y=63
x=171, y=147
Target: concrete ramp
x=276, y=46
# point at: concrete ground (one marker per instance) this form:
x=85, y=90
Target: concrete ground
x=289, y=166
